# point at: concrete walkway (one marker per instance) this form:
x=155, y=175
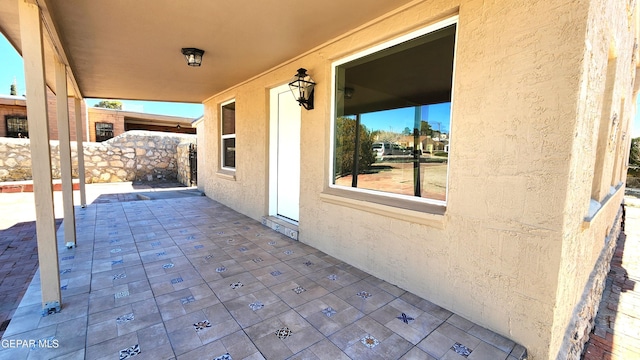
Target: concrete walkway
x=184, y=277
x=617, y=331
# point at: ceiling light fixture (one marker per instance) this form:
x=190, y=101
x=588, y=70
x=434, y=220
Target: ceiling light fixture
x=193, y=56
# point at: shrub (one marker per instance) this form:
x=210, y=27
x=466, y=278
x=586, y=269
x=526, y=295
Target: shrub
x=345, y=146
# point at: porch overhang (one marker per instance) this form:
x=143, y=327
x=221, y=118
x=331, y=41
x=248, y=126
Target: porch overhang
x=131, y=50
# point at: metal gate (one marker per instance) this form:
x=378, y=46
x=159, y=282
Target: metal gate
x=193, y=163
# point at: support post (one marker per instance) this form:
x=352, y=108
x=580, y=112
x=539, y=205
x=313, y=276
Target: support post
x=32, y=53
x=80, y=150
x=65, y=155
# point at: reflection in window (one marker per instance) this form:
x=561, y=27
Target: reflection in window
x=104, y=131
x=393, y=111
x=228, y=127
x=17, y=126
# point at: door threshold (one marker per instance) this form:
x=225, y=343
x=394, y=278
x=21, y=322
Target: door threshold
x=285, y=227
x=286, y=219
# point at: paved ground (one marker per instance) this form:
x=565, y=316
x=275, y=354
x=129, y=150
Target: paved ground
x=185, y=277
x=617, y=331
x=18, y=250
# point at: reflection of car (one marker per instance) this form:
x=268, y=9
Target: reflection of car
x=399, y=150
x=381, y=148
x=385, y=148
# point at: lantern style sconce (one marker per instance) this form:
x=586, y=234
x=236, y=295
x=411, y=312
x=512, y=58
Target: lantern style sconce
x=193, y=56
x=302, y=88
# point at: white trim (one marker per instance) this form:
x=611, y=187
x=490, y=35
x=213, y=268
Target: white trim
x=273, y=148
x=227, y=136
x=371, y=50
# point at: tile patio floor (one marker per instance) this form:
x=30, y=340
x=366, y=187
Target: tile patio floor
x=188, y=278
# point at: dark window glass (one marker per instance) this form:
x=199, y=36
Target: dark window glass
x=17, y=126
x=104, y=131
x=228, y=128
x=392, y=121
x=229, y=148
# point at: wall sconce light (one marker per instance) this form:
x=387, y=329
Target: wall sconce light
x=178, y=126
x=302, y=88
x=193, y=56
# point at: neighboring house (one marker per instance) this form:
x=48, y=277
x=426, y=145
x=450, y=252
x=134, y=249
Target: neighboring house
x=107, y=123
x=103, y=123
x=514, y=231
x=13, y=116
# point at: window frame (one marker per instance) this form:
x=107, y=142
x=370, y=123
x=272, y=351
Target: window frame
x=371, y=50
x=16, y=117
x=104, y=123
x=224, y=137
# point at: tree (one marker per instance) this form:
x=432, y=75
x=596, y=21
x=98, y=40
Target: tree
x=109, y=104
x=407, y=131
x=425, y=128
x=634, y=152
x=346, y=145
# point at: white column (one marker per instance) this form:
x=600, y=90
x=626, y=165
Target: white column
x=32, y=54
x=65, y=155
x=80, y=150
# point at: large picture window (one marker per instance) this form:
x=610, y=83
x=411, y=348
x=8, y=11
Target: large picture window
x=228, y=141
x=104, y=131
x=392, y=120
x=17, y=126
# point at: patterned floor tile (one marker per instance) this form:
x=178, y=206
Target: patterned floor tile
x=225, y=287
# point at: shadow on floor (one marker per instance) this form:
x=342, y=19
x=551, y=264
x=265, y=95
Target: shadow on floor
x=18, y=263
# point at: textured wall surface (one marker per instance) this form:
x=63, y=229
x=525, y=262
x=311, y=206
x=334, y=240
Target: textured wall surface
x=512, y=251
x=184, y=164
x=604, y=105
x=134, y=155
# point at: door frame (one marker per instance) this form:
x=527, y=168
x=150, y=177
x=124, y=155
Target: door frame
x=273, y=151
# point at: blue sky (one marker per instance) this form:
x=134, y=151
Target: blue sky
x=396, y=120
x=11, y=67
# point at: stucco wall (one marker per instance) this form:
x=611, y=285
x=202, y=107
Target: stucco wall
x=514, y=216
x=604, y=112
x=134, y=155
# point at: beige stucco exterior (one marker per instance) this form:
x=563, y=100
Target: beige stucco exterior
x=512, y=251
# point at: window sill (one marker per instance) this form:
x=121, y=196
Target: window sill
x=597, y=206
x=426, y=214
x=226, y=174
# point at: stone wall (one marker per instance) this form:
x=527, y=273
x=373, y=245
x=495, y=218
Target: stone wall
x=134, y=155
x=184, y=165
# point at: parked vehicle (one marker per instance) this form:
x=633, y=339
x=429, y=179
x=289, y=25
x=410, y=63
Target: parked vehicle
x=386, y=148
x=381, y=148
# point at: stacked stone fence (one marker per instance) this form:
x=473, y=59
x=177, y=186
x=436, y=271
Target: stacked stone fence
x=184, y=164
x=133, y=156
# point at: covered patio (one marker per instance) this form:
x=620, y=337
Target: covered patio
x=182, y=276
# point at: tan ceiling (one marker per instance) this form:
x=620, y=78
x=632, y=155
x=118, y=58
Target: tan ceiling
x=131, y=49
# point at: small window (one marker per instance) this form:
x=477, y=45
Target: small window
x=228, y=137
x=104, y=131
x=17, y=126
x=391, y=129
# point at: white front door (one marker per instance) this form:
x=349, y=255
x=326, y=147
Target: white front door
x=284, y=194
